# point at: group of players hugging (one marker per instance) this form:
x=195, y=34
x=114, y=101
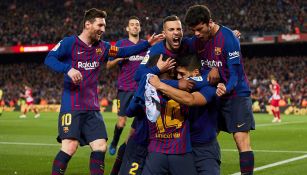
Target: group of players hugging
x=181, y=91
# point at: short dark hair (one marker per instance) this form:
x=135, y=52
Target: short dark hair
x=189, y=61
x=197, y=14
x=133, y=17
x=91, y=14
x=153, y=60
x=170, y=18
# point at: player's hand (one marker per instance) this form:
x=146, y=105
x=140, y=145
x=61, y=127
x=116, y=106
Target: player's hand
x=221, y=89
x=75, y=75
x=154, y=81
x=121, y=59
x=155, y=38
x=237, y=33
x=165, y=65
x=185, y=84
x=213, y=76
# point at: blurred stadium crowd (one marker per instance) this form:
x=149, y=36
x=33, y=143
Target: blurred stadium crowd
x=47, y=86
x=45, y=21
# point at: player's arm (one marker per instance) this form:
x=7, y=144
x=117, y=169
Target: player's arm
x=122, y=52
x=112, y=62
x=53, y=58
x=60, y=52
x=182, y=97
x=233, y=56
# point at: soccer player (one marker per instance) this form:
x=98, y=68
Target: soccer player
x=203, y=114
x=173, y=45
x=169, y=149
x=274, y=100
x=220, y=49
x=80, y=121
x=170, y=47
x=29, y=103
x=136, y=150
x=125, y=82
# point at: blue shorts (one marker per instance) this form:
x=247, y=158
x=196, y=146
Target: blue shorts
x=159, y=163
x=236, y=115
x=134, y=158
x=207, y=158
x=123, y=100
x=84, y=126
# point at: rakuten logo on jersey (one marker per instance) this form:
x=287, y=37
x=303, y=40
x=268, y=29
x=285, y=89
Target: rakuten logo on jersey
x=212, y=63
x=88, y=65
x=234, y=54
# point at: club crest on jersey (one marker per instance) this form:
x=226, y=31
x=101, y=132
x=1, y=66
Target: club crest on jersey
x=98, y=51
x=217, y=50
x=65, y=129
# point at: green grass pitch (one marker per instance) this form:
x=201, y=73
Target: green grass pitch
x=28, y=146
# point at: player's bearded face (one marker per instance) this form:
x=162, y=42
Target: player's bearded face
x=173, y=34
x=202, y=31
x=133, y=27
x=97, y=29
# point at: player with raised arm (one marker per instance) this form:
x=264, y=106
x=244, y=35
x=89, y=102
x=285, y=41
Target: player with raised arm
x=79, y=58
x=125, y=83
x=218, y=48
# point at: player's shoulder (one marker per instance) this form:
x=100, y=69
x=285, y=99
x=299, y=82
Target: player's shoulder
x=227, y=33
x=122, y=41
x=65, y=43
x=104, y=44
x=69, y=39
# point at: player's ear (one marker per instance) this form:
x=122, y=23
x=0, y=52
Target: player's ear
x=210, y=23
x=127, y=29
x=195, y=72
x=87, y=24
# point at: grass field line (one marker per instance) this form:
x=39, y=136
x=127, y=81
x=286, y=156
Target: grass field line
x=225, y=150
x=277, y=163
x=278, y=124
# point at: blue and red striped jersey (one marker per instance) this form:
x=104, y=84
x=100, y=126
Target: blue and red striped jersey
x=223, y=51
x=170, y=134
x=71, y=52
x=125, y=81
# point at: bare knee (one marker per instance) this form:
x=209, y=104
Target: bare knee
x=99, y=145
x=69, y=146
x=242, y=140
x=121, y=122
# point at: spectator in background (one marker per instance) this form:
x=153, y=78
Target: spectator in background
x=290, y=71
x=37, y=22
